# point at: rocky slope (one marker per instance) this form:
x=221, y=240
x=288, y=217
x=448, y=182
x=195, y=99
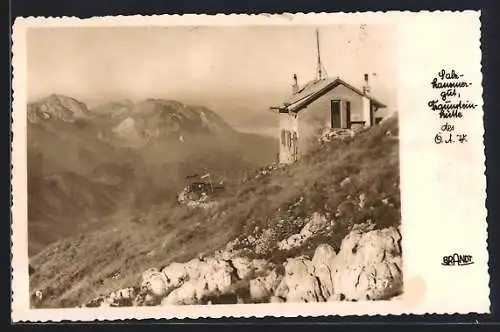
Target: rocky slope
x=323, y=229
x=368, y=266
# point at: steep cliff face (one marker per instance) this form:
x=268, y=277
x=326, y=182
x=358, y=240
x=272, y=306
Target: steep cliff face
x=323, y=229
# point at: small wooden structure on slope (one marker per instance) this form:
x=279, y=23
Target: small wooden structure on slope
x=322, y=103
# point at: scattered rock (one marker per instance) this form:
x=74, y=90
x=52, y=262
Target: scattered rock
x=330, y=134
x=263, y=172
x=121, y=298
x=345, y=182
x=362, y=200
x=316, y=223
x=266, y=241
x=195, y=195
x=36, y=297
x=39, y=295
x=251, y=239
x=297, y=203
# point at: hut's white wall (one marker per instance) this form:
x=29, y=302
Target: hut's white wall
x=317, y=116
x=366, y=111
x=288, y=137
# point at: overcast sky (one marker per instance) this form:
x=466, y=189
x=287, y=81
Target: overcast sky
x=237, y=71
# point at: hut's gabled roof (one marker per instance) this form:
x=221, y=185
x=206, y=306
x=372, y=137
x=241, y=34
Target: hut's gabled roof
x=315, y=89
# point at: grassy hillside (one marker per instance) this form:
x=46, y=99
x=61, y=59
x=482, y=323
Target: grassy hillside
x=350, y=182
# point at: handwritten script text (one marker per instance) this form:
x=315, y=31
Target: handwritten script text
x=450, y=104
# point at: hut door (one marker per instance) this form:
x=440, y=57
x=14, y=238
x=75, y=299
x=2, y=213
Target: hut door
x=335, y=114
x=347, y=121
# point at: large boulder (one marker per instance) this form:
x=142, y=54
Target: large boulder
x=175, y=274
x=155, y=283
x=200, y=280
x=186, y=294
x=218, y=276
x=299, y=283
x=324, y=254
x=323, y=262
x=243, y=266
x=324, y=276
x=368, y=266
x=261, y=288
x=249, y=268
x=214, y=279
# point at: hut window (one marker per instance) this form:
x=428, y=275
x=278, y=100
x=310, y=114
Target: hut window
x=294, y=139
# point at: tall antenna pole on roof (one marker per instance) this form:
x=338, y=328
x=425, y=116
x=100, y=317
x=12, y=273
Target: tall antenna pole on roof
x=320, y=66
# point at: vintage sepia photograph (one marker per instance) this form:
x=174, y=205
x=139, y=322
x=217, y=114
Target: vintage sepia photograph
x=206, y=165
x=285, y=165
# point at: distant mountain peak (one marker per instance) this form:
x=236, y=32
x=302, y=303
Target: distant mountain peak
x=57, y=106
